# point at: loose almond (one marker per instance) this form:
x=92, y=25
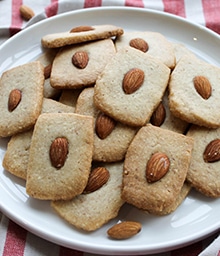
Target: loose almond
x=47, y=71
x=81, y=29
x=98, y=177
x=202, y=86
x=133, y=80
x=104, y=125
x=159, y=115
x=14, y=99
x=212, y=151
x=26, y=12
x=124, y=230
x=140, y=44
x=157, y=166
x=58, y=152
x=80, y=59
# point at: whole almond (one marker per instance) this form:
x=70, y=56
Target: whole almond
x=81, y=29
x=98, y=177
x=157, y=166
x=104, y=125
x=14, y=99
x=202, y=86
x=58, y=152
x=124, y=230
x=26, y=12
x=158, y=115
x=47, y=71
x=139, y=44
x=212, y=151
x=80, y=59
x=133, y=80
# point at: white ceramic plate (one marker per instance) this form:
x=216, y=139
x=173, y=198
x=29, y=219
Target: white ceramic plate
x=197, y=217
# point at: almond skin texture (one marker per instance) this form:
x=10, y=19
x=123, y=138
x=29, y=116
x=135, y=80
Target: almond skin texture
x=124, y=230
x=98, y=177
x=26, y=12
x=80, y=59
x=58, y=152
x=157, y=166
x=81, y=29
x=139, y=44
x=104, y=125
x=133, y=80
x=212, y=151
x=14, y=99
x=158, y=116
x=202, y=86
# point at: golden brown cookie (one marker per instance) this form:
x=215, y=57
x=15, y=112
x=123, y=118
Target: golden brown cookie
x=79, y=65
x=155, y=168
x=151, y=43
x=21, y=93
x=194, y=92
x=131, y=86
x=111, y=138
x=90, y=211
x=17, y=153
x=60, y=156
x=81, y=34
x=162, y=117
x=204, y=168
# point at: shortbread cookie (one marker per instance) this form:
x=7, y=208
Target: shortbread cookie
x=78, y=66
x=195, y=92
x=60, y=156
x=49, y=91
x=110, y=148
x=131, y=68
x=152, y=43
x=204, y=170
x=157, y=195
x=180, y=50
x=69, y=97
x=21, y=93
x=92, y=210
x=186, y=188
x=164, y=119
x=81, y=34
x=17, y=153
x=46, y=60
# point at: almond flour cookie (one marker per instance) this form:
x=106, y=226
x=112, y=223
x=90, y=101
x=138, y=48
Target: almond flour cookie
x=81, y=34
x=186, y=188
x=194, y=92
x=180, y=50
x=156, y=150
x=163, y=118
x=152, y=43
x=60, y=156
x=78, y=66
x=90, y=211
x=131, y=69
x=17, y=153
x=113, y=146
x=69, y=97
x=21, y=93
x=204, y=168
x=46, y=59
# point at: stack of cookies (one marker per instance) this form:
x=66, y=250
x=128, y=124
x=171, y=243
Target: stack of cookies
x=106, y=117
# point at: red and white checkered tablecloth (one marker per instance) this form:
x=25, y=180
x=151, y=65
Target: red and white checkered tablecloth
x=15, y=240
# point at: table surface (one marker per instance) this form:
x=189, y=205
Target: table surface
x=14, y=240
